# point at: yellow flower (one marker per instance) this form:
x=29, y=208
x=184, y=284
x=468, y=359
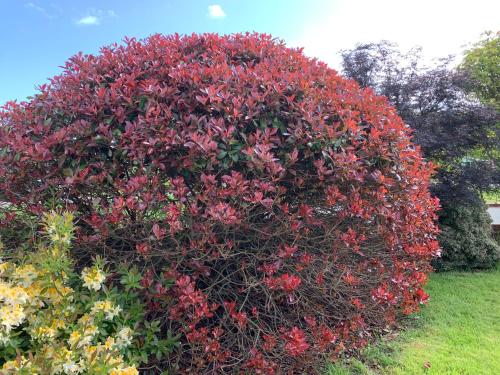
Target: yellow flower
x=11, y=316
x=90, y=331
x=4, y=266
x=10, y=366
x=62, y=357
x=26, y=275
x=44, y=332
x=109, y=343
x=34, y=292
x=59, y=227
x=68, y=311
x=12, y=295
x=19, y=365
x=58, y=324
x=74, y=338
x=101, y=306
x=116, y=361
x=58, y=292
x=86, y=320
x=107, y=308
x=125, y=371
x=83, y=338
x=48, y=351
x=89, y=351
x=93, y=278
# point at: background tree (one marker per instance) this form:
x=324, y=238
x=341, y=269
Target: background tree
x=483, y=64
x=454, y=128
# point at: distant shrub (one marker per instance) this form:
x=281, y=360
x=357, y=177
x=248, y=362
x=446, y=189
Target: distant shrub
x=466, y=239
x=54, y=321
x=286, y=208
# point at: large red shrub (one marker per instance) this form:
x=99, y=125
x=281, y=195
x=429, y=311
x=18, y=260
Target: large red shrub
x=287, y=207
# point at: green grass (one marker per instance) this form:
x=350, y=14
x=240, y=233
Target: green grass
x=492, y=196
x=457, y=333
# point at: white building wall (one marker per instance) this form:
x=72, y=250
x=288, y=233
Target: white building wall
x=494, y=212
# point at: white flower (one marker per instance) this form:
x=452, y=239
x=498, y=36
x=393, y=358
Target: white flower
x=107, y=307
x=12, y=295
x=93, y=278
x=124, y=337
x=11, y=316
x=71, y=367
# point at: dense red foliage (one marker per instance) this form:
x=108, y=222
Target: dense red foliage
x=288, y=208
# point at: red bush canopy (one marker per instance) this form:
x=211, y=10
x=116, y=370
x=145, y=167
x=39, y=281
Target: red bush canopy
x=286, y=207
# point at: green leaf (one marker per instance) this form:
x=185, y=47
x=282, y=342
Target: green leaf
x=142, y=103
x=222, y=155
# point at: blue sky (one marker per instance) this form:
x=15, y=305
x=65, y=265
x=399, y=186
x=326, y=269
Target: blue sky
x=38, y=36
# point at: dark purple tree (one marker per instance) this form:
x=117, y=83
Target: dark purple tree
x=454, y=129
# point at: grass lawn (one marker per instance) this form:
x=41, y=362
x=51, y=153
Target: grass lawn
x=492, y=196
x=458, y=332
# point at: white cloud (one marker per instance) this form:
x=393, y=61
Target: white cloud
x=88, y=20
x=440, y=27
x=96, y=16
x=216, y=11
x=40, y=10
x=36, y=7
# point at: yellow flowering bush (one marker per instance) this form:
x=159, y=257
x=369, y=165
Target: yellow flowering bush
x=54, y=320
